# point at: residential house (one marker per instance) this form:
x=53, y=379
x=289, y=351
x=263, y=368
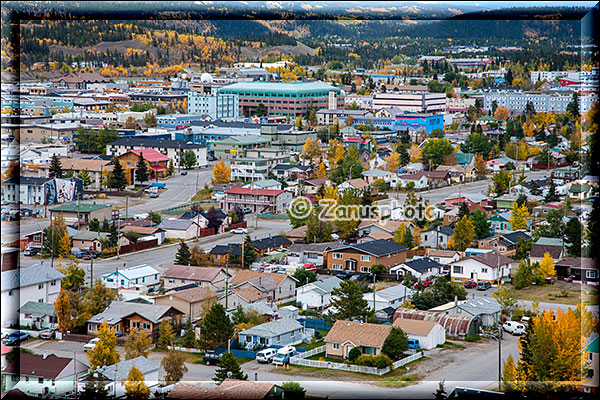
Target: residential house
x=223, y=253
x=257, y=200
x=274, y=285
x=391, y=296
x=192, y=302
x=361, y=257
x=145, y=232
x=270, y=244
x=580, y=269
x=498, y=164
x=579, y=191
x=80, y=215
x=312, y=186
x=38, y=315
x=291, y=172
x=297, y=235
x=94, y=167
x=590, y=383
x=553, y=246
x=43, y=375
x=38, y=283
x=459, y=174
x=254, y=169
x=451, y=217
x=281, y=332
x=317, y=294
x=543, y=209
x=490, y=266
x=287, y=312
x=419, y=268
x=375, y=236
x=231, y=147
x=368, y=227
x=444, y=257
x=125, y=316
x=437, y=179
x=470, y=199
x=505, y=244
x=358, y=184
x=300, y=253
x=207, y=277
x=486, y=309
x=464, y=159
x=346, y=335
x=271, y=184
x=179, y=228
x=116, y=374
x=92, y=240
x=157, y=163
x=228, y=389
x=143, y=277
x=430, y=334
x=24, y=190
x=500, y=222
x=455, y=325
x=437, y=237
x=173, y=149
x=419, y=180
x=372, y=175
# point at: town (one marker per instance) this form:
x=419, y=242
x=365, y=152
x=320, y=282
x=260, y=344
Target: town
x=296, y=226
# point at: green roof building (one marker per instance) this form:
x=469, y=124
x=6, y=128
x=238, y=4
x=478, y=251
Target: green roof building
x=79, y=215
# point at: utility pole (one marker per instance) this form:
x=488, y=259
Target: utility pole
x=500, y=358
x=126, y=206
x=227, y=283
x=243, y=243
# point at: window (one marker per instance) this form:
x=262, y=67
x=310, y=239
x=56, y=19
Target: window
x=590, y=274
x=337, y=267
x=41, y=286
x=146, y=325
x=484, y=270
x=122, y=281
x=171, y=280
x=336, y=346
x=40, y=380
x=365, y=258
x=11, y=292
x=53, y=283
x=338, y=256
x=248, y=339
x=135, y=324
x=293, y=334
x=457, y=269
x=278, y=338
x=365, y=269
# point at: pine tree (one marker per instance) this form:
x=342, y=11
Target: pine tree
x=551, y=195
x=227, y=364
x=189, y=335
x=117, y=180
x=56, y=170
x=183, y=256
x=141, y=172
x=250, y=254
x=395, y=344
x=350, y=304
x=84, y=175
x=217, y=328
x=573, y=232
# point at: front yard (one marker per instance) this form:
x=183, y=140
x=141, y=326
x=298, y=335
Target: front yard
x=560, y=292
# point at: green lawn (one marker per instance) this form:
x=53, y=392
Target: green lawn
x=451, y=345
x=310, y=346
x=322, y=355
x=399, y=382
x=289, y=303
x=202, y=194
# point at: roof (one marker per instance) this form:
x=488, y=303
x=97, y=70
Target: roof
x=248, y=275
x=393, y=292
x=228, y=389
x=81, y=208
x=22, y=277
x=260, y=307
x=377, y=248
x=592, y=347
x=256, y=192
x=357, y=183
x=273, y=328
x=142, y=230
x=90, y=235
x=492, y=259
x=78, y=164
x=27, y=180
x=299, y=232
x=279, y=87
x=446, y=230
x=515, y=236
x=250, y=293
x=422, y=264
x=117, y=310
x=540, y=250
x=270, y=242
x=358, y=333
x=481, y=305
x=122, y=368
x=441, y=253
x=579, y=262
x=151, y=155
x=387, y=225
x=138, y=271
x=37, y=309
x=454, y=324
x=164, y=143
x=414, y=326
x=317, y=247
x=325, y=285
x=234, y=249
x=192, y=295
x=176, y=224
x=188, y=272
x=36, y=365
x=546, y=241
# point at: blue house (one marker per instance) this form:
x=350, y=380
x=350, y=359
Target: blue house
x=281, y=332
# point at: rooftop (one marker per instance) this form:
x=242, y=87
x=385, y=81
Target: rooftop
x=358, y=333
x=273, y=328
x=122, y=368
x=279, y=87
x=22, y=277
x=81, y=208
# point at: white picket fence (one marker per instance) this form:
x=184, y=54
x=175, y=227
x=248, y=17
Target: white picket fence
x=407, y=360
x=185, y=349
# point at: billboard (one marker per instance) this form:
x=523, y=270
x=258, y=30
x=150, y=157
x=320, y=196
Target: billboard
x=63, y=190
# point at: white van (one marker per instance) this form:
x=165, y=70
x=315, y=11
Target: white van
x=514, y=327
x=266, y=355
x=283, y=355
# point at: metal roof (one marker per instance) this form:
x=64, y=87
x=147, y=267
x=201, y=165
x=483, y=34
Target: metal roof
x=273, y=328
x=481, y=306
x=120, y=371
x=33, y=275
x=454, y=324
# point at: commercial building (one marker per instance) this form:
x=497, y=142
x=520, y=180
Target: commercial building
x=24, y=190
x=236, y=146
x=412, y=99
x=173, y=149
x=468, y=63
x=217, y=106
x=291, y=99
x=257, y=200
x=516, y=101
x=254, y=169
x=289, y=139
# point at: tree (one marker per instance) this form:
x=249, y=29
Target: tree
x=311, y=149
x=188, y=160
x=435, y=150
x=464, y=233
x=321, y=171
x=304, y=277
x=135, y=385
x=189, y=335
x=441, y=292
x=216, y=328
x=84, y=175
x=502, y=113
x=166, y=334
x=98, y=298
x=395, y=344
x=117, y=180
x=378, y=269
x=56, y=170
x=476, y=142
x=228, y=367
x=183, y=256
x=317, y=230
x=349, y=302
x=546, y=268
x=171, y=168
x=524, y=275
x=293, y=390
x=261, y=110
x=529, y=109
x=105, y=351
x=573, y=233
x=221, y=173
x=63, y=310
x=155, y=217
x=141, y=172
x=174, y=366
x=94, y=389
x=518, y=217
x=573, y=107
x=480, y=223
x=74, y=276
x=501, y=180
x=150, y=120
x=393, y=162
x=138, y=344
x=64, y=244
x=551, y=195
x=506, y=297
x=250, y=254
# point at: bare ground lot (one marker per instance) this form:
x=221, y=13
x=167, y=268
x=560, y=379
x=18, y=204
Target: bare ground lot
x=560, y=292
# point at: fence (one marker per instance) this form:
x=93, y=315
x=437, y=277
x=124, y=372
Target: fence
x=272, y=216
x=407, y=360
x=128, y=248
x=300, y=359
x=184, y=207
x=312, y=323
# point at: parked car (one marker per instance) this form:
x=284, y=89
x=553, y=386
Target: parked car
x=91, y=344
x=310, y=267
x=239, y=230
x=414, y=344
x=89, y=255
x=153, y=195
x=344, y=275
x=266, y=355
x=246, y=210
x=184, y=172
x=483, y=285
x=470, y=284
x=31, y=251
x=426, y=283
x=16, y=338
x=48, y=333
x=211, y=357
x=362, y=277
x=283, y=355
x=514, y=327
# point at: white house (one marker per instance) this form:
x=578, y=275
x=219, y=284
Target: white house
x=300, y=253
x=444, y=257
x=372, y=175
x=25, y=190
x=418, y=179
x=392, y=296
x=180, y=228
x=490, y=266
x=428, y=333
x=142, y=276
x=357, y=183
x=38, y=283
x=317, y=294
x=419, y=268
x=116, y=374
x=437, y=237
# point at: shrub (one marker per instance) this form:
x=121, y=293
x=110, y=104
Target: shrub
x=380, y=361
x=472, y=338
x=354, y=354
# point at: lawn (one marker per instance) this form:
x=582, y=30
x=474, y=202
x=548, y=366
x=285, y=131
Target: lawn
x=198, y=359
x=560, y=292
x=310, y=346
x=289, y=303
x=451, y=345
x=399, y=382
x=318, y=357
x=202, y=194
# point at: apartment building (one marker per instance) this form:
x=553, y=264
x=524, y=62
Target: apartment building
x=173, y=149
x=254, y=169
x=217, y=106
x=516, y=101
x=257, y=200
x=361, y=257
x=412, y=99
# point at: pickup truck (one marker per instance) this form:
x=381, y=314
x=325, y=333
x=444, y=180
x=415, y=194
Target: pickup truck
x=211, y=357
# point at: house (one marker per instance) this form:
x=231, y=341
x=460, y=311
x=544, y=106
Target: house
x=486, y=309
x=438, y=179
x=124, y=316
x=391, y=296
x=222, y=254
x=505, y=244
x=264, y=184
x=357, y=183
x=312, y=186
x=580, y=269
x=372, y=175
x=281, y=332
x=257, y=200
x=287, y=312
x=419, y=268
x=116, y=375
x=93, y=240
x=38, y=283
x=228, y=389
x=418, y=180
x=24, y=190
x=177, y=228
x=274, y=285
x=317, y=294
x=43, y=375
x=580, y=191
x=444, y=257
x=361, y=257
x=470, y=199
x=500, y=222
x=143, y=276
x=437, y=237
x=207, y=277
x=297, y=235
x=157, y=163
x=38, y=315
x=244, y=297
x=300, y=253
x=95, y=169
x=428, y=333
x=173, y=149
x=553, y=246
x=145, y=232
x=375, y=236
x=191, y=302
x=270, y=244
x=291, y=172
x=490, y=266
x=368, y=227
x=590, y=383
x=451, y=217
x=79, y=215
x=455, y=325
x=346, y=335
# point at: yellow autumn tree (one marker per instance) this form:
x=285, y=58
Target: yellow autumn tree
x=311, y=149
x=329, y=192
x=546, y=267
x=321, y=171
x=64, y=244
x=518, y=216
x=393, y=162
x=105, y=351
x=502, y=113
x=63, y=310
x=416, y=234
x=135, y=385
x=480, y=165
x=415, y=154
x=335, y=152
x=221, y=173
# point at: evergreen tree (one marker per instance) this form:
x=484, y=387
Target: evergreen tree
x=480, y=223
x=117, y=177
x=189, y=336
x=573, y=232
x=184, y=255
x=350, y=304
x=551, y=195
x=141, y=172
x=573, y=107
x=463, y=210
x=261, y=110
x=94, y=389
x=113, y=238
x=227, y=367
x=217, y=328
x=239, y=316
x=188, y=160
x=250, y=254
x=395, y=344
x=56, y=170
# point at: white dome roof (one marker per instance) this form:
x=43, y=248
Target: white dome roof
x=206, y=78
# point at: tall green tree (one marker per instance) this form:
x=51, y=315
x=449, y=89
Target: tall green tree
x=349, y=303
x=573, y=233
x=56, y=170
x=480, y=223
x=304, y=277
x=217, y=328
x=477, y=142
x=117, y=179
x=250, y=254
x=184, y=255
x=551, y=195
x=395, y=344
x=435, y=150
x=141, y=171
x=188, y=160
x=227, y=364
x=84, y=175
x=261, y=110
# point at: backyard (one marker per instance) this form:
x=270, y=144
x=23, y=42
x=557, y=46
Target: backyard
x=560, y=292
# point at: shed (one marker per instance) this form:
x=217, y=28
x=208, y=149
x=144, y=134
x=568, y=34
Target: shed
x=428, y=333
x=456, y=325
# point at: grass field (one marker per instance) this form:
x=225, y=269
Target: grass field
x=560, y=292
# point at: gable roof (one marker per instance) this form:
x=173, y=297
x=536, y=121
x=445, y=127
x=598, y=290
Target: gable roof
x=233, y=249
x=151, y=155
x=250, y=293
x=393, y=292
x=414, y=326
x=176, y=224
x=246, y=275
x=138, y=271
x=481, y=305
x=492, y=259
x=579, y=262
x=228, y=389
x=317, y=247
x=269, y=242
x=191, y=295
x=358, y=333
x=117, y=310
x=37, y=309
x=326, y=285
x=22, y=277
x=377, y=248
x=142, y=230
x=90, y=235
x=256, y=192
x=446, y=230
x=539, y=250
x=190, y=272
x=422, y=264
x=122, y=368
x=273, y=328
x=36, y=365
x=514, y=237
x=357, y=183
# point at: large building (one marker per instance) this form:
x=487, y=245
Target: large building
x=291, y=99
x=411, y=99
x=173, y=149
x=516, y=101
x=217, y=106
x=468, y=63
x=257, y=200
